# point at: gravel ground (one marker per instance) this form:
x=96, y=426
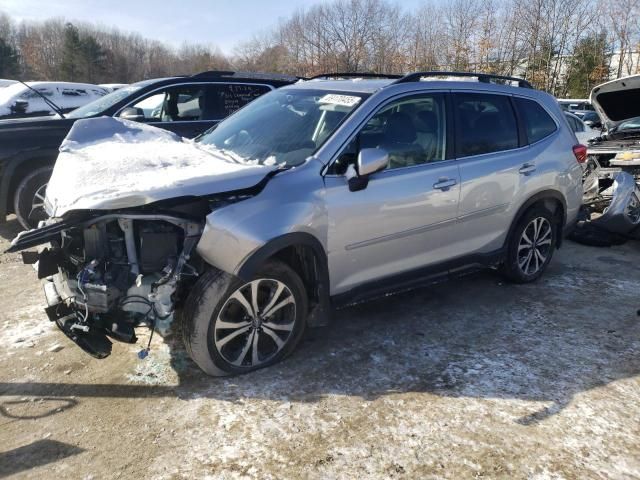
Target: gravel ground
x=467, y=379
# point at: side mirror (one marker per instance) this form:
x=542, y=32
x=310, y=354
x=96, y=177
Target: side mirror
x=133, y=114
x=372, y=160
x=20, y=106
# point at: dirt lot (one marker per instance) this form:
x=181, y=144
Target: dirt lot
x=475, y=378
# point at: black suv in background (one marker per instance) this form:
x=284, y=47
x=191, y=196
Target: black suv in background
x=185, y=105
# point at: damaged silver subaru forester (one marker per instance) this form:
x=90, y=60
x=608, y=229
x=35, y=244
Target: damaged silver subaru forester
x=317, y=195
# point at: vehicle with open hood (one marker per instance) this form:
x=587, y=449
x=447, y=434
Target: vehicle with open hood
x=618, y=148
x=317, y=195
x=185, y=105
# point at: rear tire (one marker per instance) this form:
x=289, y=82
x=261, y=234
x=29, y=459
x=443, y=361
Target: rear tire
x=531, y=246
x=28, y=201
x=223, y=335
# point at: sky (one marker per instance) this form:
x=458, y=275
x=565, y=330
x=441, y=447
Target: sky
x=223, y=23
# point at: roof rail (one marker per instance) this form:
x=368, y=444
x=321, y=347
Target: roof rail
x=247, y=75
x=482, y=77
x=354, y=75
x=214, y=73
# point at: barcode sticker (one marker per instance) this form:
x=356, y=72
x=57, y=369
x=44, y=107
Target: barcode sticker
x=344, y=100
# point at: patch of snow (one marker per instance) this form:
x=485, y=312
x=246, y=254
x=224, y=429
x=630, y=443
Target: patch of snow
x=25, y=327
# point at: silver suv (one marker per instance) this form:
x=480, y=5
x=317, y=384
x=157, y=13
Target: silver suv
x=314, y=196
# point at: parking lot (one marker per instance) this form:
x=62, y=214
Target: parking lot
x=468, y=379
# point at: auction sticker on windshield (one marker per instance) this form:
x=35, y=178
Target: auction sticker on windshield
x=344, y=100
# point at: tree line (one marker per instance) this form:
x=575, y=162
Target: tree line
x=562, y=46
x=81, y=52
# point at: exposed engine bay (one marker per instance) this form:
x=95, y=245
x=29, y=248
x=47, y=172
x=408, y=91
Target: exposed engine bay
x=108, y=275
x=615, y=155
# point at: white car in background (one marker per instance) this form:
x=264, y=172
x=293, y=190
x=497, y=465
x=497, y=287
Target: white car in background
x=5, y=82
x=583, y=132
x=18, y=100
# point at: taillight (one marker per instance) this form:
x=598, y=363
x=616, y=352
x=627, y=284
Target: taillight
x=580, y=151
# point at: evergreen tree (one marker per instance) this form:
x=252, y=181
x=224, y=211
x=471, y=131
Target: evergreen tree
x=589, y=66
x=8, y=60
x=93, y=59
x=70, y=66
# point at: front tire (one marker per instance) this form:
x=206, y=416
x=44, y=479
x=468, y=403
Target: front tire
x=231, y=326
x=28, y=201
x=531, y=246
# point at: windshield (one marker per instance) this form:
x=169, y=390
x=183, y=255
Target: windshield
x=631, y=124
x=100, y=105
x=283, y=127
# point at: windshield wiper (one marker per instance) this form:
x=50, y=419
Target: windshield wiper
x=55, y=108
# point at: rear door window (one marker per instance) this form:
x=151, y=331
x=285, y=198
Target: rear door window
x=485, y=123
x=538, y=124
x=221, y=100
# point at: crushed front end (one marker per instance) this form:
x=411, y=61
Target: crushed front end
x=108, y=274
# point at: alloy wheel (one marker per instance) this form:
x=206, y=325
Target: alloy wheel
x=37, y=212
x=255, y=323
x=633, y=209
x=534, y=246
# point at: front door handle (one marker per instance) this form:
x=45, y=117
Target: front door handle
x=444, y=184
x=527, y=169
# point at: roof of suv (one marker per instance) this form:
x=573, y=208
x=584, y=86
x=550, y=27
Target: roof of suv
x=368, y=83
x=355, y=85
x=274, y=79
x=369, y=86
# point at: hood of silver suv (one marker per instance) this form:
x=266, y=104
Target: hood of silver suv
x=107, y=163
x=617, y=100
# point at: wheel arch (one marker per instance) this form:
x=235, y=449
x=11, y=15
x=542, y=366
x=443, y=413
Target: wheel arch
x=306, y=256
x=553, y=200
x=15, y=169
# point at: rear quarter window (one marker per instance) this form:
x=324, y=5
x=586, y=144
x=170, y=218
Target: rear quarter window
x=538, y=124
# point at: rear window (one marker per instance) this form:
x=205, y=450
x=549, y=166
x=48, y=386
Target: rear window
x=538, y=124
x=485, y=123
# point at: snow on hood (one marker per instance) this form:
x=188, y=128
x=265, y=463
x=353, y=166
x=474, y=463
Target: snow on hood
x=617, y=100
x=107, y=163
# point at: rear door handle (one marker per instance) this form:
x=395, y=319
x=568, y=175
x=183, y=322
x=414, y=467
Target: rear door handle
x=527, y=169
x=444, y=184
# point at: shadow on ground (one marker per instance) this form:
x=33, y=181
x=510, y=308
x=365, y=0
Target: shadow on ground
x=33, y=455
x=10, y=229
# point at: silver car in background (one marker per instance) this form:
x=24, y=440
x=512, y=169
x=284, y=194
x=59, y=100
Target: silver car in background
x=317, y=195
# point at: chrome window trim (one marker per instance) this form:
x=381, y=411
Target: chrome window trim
x=151, y=92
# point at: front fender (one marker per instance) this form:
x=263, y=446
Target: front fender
x=286, y=205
